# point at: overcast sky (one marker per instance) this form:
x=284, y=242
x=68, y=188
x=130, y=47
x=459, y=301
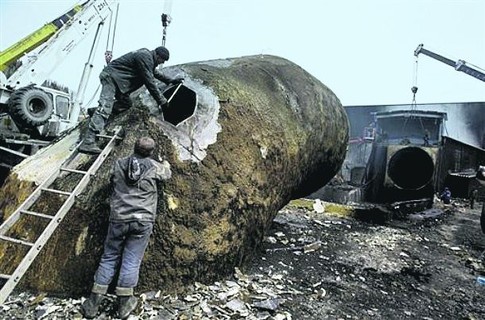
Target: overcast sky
x=361, y=49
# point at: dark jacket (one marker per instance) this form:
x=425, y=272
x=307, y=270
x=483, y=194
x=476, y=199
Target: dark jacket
x=446, y=196
x=135, y=69
x=134, y=181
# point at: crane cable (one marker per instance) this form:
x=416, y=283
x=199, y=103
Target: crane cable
x=166, y=19
x=414, y=88
x=108, y=54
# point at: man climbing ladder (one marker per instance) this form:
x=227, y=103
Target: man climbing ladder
x=121, y=77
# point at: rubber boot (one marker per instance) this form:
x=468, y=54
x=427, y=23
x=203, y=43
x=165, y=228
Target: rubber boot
x=89, y=143
x=89, y=308
x=126, y=305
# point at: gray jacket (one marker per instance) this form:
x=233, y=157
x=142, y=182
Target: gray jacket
x=134, y=181
x=135, y=69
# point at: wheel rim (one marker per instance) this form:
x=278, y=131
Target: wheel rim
x=37, y=106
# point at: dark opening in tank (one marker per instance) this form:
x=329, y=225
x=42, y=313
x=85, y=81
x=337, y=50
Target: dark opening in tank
x=411, y=168
x=182, y=104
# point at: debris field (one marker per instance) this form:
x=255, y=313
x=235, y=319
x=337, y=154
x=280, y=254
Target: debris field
x=325, y=265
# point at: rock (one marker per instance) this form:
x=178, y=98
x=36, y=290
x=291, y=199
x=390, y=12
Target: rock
x=312, y=246
x=426, y=214
x=237, y=305
x=264, y=132
x=269, y=304
x=318, y=206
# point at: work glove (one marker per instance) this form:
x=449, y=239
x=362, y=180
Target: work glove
x=177, y=80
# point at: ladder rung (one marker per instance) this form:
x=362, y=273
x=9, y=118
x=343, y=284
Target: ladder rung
x=108, y=137
x=37, y=214
x=20, y=154
x=5, y=276
x=25, y=243
x=57, y=191
x=74, y=171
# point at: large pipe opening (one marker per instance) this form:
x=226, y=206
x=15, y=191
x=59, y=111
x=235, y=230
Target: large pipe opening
x=183, y=102
x=411, y=168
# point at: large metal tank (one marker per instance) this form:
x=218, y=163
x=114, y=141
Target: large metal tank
x=258, y=131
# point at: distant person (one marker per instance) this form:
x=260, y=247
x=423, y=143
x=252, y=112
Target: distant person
x=473, y=198
x=119, y=79
x=426, y=138
x=481, y=178
x=481, y=174
x=482, y=217
x=446, y=196
x=133, y=210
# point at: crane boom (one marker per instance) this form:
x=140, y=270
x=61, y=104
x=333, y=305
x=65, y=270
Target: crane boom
x=38, y=67
x=459, y=65
x=36, y=38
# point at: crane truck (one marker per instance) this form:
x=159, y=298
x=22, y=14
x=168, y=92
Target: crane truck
x=459, y=65
x=32, y=113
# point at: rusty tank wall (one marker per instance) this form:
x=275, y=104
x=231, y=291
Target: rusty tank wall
x=264, y=131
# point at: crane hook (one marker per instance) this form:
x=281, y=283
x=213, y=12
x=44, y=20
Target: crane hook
x=414, y=89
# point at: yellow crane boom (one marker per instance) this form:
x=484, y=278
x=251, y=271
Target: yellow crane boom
x=36, y=38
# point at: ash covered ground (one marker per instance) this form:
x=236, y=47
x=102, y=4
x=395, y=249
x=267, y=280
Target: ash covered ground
x=325, y=266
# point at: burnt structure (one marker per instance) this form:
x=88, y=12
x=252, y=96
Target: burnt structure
x=409, y=152
x=457, y=170
x=403, y=160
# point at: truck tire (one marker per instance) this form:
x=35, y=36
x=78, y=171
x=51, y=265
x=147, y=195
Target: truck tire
x=30, y=106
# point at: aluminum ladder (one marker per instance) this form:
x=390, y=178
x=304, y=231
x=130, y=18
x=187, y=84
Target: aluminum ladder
x=35, y=247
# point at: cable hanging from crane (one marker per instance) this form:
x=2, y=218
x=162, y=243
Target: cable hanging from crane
x=166, y=19
x=108, y=55
x=414, y=88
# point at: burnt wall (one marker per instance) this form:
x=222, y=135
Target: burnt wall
x=465, y=119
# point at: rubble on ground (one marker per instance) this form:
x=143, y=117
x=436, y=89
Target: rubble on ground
x=256, y=297
x=324, y=265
